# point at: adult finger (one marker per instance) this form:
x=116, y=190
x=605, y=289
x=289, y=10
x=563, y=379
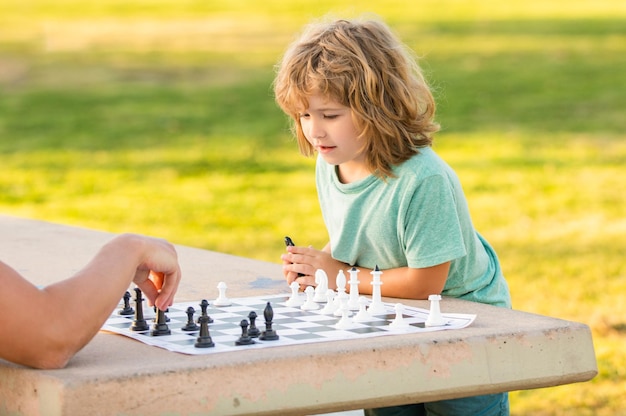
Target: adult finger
x=165, y=297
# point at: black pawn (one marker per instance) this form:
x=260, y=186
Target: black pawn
x=253, y=331
x=127, y=309
x=160, y=326
x=269, y=334
x=191, y=325
x=139, y=323
x=204, y=338
x=244, y=339
x=203, y=306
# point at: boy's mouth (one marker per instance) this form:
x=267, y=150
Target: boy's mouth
x=325, y=149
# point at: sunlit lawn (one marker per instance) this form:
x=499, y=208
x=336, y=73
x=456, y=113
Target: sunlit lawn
x=157, y=117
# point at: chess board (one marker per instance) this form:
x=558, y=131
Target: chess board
x=293, y=325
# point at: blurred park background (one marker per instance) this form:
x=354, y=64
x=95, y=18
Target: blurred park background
x=156, y=116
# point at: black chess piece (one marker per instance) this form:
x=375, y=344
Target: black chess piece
x=245, y=338
x=139, y=323
x=253, y=331
x=269, y=334
x=167, y=318
x=204, y=338
x=204, y=304
x=160, y=325
x=127, y=309
x=190, y=325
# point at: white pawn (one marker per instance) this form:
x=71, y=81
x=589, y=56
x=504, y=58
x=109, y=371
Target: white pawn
x=399, y=322
x=330, y=307
x=222, y=300
x=309, y=304
x=342, y=301
x=294, y=300
x=434, y=317
x=353, y=303
x=362, y=315
x=346, y=321
x=321, y=281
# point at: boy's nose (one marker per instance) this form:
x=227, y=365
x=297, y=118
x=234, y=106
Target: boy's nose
x=316, y=131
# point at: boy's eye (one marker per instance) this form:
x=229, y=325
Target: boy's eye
x=330, y=116
x=303, y=115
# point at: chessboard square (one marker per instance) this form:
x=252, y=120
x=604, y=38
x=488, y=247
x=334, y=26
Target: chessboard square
x=230, y=320
x=291, y=313
x=176, y=337
x=321, y=319
x=288, y=332
x=238, y=309
x=285, y=320
x=120, y=325
x=222, y=338
x=328, y=321
x=189, y=341
x=333, y=333
x=301, y=336
x=177, y=314
x=118, y=319
x=226, y=328
x=305, y=324
x=176, y=326
x=321, y=328
x=367, y=330
x=255, y=302
x=381, y=323
x=413, y=320
x=416, y=311
x=225, y=316
x=184, y=305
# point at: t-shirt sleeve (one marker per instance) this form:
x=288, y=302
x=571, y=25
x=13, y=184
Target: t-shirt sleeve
x=432, y=232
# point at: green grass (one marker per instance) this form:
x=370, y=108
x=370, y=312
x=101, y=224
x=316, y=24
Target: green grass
x=157, y=117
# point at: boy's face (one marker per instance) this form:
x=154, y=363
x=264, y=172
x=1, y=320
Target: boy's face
x=329, y=127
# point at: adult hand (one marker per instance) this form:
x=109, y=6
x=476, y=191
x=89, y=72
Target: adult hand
x=158, y=273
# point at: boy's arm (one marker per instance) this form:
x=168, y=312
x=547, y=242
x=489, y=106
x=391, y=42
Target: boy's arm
x=401, y=282
x=406, y=282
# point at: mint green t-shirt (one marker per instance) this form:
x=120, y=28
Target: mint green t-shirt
x=418, y=219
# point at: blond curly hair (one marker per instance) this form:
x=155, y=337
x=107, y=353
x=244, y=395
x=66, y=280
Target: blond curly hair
x=362, y=65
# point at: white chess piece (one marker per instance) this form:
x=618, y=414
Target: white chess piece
x=294, y=300
x=341, y=281
x=321, y=281
x=330, y=307
x=309, y=304
x=346, y=321
x=362, y=315
x=434, y=317
x=377, y=307
x=353, y=303
x=222, y=300
x=342, y=301
x=399, y=322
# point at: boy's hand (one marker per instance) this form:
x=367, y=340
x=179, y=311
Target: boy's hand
x=307, y=260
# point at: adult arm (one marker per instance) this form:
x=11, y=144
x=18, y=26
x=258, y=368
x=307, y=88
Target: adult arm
x=44, y=328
